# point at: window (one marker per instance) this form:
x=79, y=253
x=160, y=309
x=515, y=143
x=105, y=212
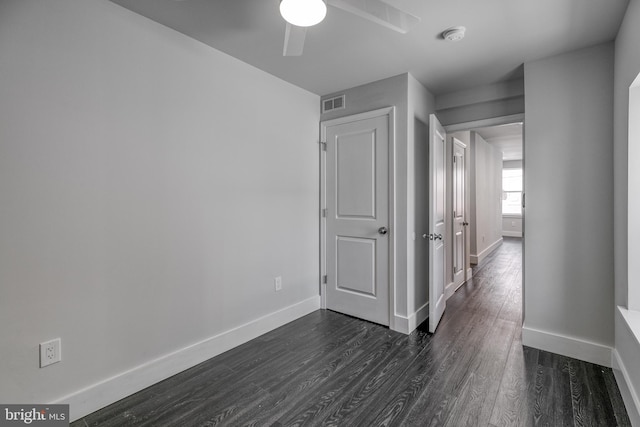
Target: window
x=511, y=191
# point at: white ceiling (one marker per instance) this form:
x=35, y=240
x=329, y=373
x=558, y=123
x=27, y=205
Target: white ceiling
x=506, y=138
x=345, y=51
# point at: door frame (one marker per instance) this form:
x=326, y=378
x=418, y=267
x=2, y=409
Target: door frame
x=496, y=121
x=389, y=112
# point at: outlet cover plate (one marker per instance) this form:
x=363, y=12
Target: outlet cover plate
x=50, y=352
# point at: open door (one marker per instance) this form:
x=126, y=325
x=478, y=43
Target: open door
x=437, y=228
x=459, y=213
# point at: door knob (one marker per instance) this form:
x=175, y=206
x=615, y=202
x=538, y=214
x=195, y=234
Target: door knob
x=432, y=236
x=383, y=230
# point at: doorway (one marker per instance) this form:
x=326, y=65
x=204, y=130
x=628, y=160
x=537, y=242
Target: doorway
x=493, y=193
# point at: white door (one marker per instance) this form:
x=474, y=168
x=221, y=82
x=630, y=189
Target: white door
x=357, y=217
x=437, y=224
x=458, y=197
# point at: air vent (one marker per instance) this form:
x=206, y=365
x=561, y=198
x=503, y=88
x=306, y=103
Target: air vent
x=331, y=104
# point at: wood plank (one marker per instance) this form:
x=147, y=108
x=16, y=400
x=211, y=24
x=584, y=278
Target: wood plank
x=541, y=405
x=432, y=409
x=511, y=407
x=345, y=401
x=591, y=402
x=475, y=402
x=622, y=418
x=298, y=387
x=408, y=388
x=562, y=391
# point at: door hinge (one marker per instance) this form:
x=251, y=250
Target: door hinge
x=324, y=279
x=454, y=159
x=324, y=213
x=323, y=145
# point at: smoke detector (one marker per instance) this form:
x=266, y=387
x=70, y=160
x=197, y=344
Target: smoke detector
x=454, y=34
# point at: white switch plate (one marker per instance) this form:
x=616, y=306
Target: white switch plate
x=278, y=283
x=50, y=352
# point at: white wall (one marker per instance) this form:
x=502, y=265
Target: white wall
x=626, y=162
x=512, y=164
x=627, y=157
x=511, y=226
x=569, y=194
x=482, y=102
x=633, y=244
x=151, y=189
x=486, y=198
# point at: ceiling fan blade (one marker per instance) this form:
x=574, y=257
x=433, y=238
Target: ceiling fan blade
x=379, y=12
x=294, y=40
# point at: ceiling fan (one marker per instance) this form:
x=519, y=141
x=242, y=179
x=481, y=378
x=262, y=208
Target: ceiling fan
x=302, y=14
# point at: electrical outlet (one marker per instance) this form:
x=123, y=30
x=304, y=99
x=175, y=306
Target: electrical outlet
x=50, y=352
x=278, y=283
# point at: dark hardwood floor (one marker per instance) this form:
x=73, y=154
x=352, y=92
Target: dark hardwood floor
x=331, y=369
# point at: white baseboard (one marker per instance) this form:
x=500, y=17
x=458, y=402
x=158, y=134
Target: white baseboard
x=567, y=346
x=419, y=316
x=449, y=290
x=477, y=259
x=110, y=390
x=400, y=324
x=406, y=325
x=629, y=394
x=506, y=233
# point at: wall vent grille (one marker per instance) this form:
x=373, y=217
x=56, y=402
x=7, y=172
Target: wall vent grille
x=335, y=103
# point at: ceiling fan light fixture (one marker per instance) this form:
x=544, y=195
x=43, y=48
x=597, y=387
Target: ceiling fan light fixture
x=303, y=13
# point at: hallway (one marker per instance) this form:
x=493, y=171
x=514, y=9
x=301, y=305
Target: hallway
x=331, y=369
